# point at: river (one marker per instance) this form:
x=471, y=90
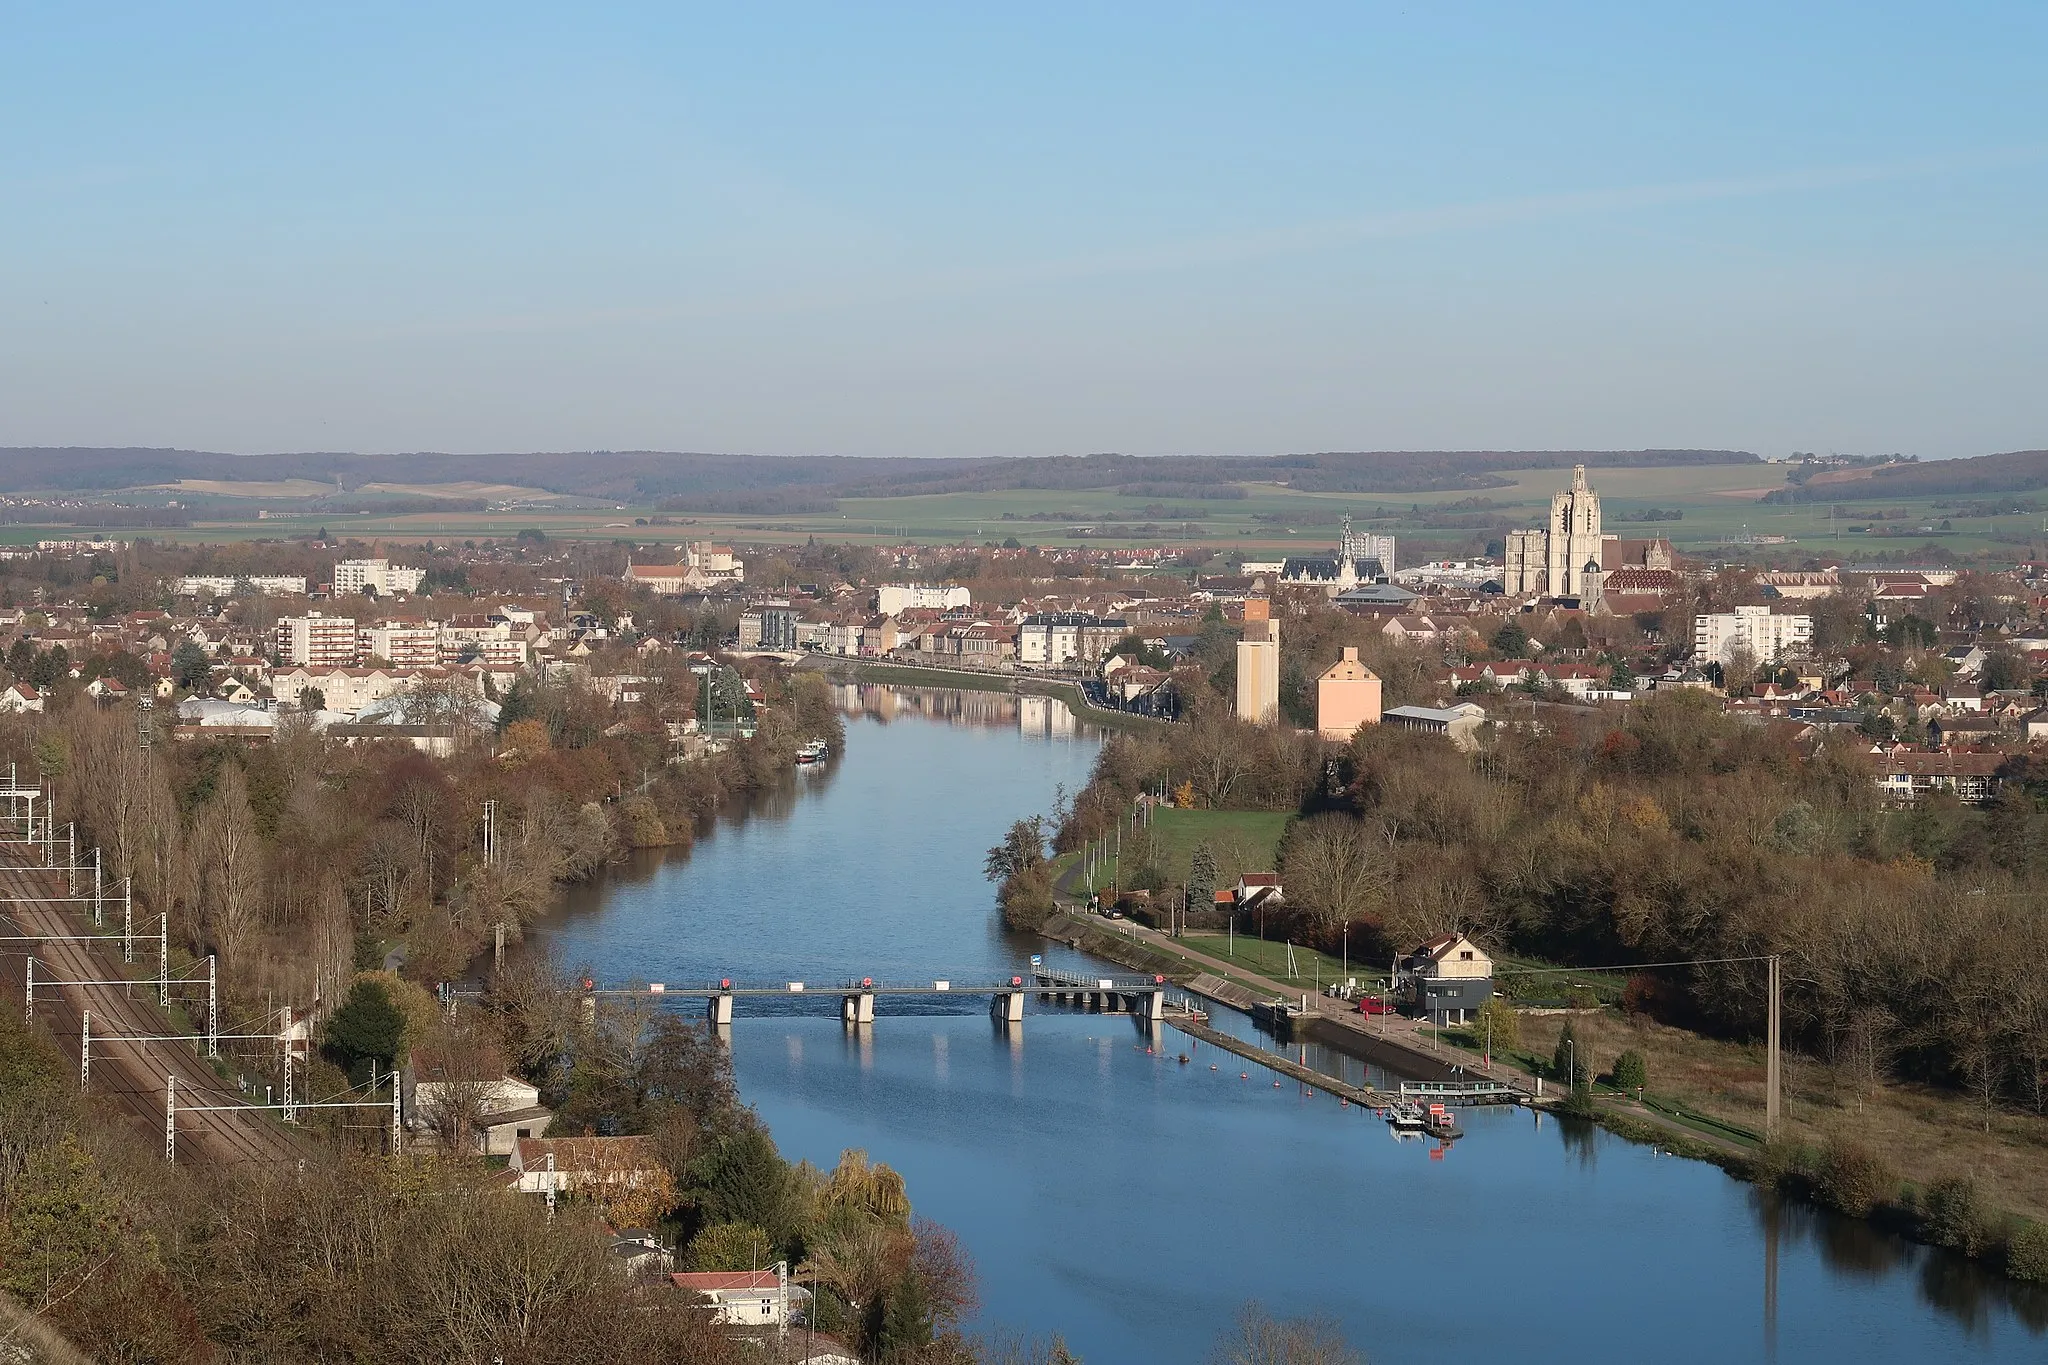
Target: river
x=1130, y=1202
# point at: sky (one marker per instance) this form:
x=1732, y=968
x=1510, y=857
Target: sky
x=982, y=229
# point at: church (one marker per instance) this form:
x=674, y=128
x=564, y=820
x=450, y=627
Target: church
x=1555, y=561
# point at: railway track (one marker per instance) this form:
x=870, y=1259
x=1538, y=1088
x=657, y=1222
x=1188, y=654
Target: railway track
x=130, y=1074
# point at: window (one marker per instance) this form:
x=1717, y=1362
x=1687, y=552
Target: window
x=1465, y=956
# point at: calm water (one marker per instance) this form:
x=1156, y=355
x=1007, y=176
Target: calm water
x=1131, y=1202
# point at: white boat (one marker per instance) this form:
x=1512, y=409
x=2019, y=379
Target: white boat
x=1405, y=1116
x=817, y=751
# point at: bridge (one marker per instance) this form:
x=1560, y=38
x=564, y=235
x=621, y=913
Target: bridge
x=1142, y=995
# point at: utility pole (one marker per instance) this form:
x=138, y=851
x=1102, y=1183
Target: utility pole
x=128, y=919
x=551, y=1187
x=498, y=934
x=29, y=1009
x=85, y=1050
x=71, y=859
x=212, y=1007
x=397, y=1113
x=98, y=901
x=171, y=1118
x=163, y=960
x=290, y=1114
x=1773, y=1065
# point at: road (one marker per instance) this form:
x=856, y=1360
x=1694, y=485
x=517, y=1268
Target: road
x=128, y=1074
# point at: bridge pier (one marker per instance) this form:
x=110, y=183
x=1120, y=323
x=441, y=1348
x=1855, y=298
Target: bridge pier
x=719, y=1010
x=1008, y=1006
x=858, y=1008
x=1155, y=1004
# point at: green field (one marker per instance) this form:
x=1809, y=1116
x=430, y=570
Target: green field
x=1242, y=840
x=1719, y=503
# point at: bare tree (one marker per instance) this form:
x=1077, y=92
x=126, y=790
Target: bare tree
x=1259, y=1338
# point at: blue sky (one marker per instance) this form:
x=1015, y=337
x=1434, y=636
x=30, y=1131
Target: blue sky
x=982, y=229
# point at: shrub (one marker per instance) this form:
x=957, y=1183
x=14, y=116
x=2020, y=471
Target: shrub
x=1582, y=998
x=1852, y=1179
x=644, y=827
x=1772, y=1162
x=1631, y=1072
x=1953, y=1215
x=2026, y=1253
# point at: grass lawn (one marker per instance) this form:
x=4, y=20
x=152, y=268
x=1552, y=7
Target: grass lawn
x=1243, y=840
x=1270, y=960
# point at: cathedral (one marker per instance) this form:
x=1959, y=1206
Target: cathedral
x=1557, y=560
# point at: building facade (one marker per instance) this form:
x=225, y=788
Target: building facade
x=1555, y=561
x=377, y=576
x=222, y=585
x=1768, y=636
x=1258, y=664
x=1347, y=697
x=892, y=598
x=320, y=641
x=1056, y=639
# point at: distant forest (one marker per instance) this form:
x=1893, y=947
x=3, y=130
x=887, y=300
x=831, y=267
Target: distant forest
x=2015, y=471
x=681, y=482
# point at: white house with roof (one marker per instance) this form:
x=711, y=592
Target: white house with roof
x=744, y=1298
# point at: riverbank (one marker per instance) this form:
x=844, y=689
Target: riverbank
x=1915, y=1205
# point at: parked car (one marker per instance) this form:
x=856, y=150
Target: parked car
x=1372, y=1004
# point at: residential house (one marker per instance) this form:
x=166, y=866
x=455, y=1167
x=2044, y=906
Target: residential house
x=1905, y=775
x=1449, y=978
x=19, y=699
x=580, y=1162
x=445, y=1093
x=752, y=1298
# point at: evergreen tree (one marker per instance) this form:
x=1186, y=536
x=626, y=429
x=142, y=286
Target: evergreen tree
x=1202, y=878
x=368, y=1025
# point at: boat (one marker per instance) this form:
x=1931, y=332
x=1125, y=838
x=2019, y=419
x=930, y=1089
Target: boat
x=1405, y=1117
x=1440, y=1123
x=815, y=752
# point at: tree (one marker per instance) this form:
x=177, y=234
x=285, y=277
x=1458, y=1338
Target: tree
x=1022, y=850
x=1499, y=1024
x=1631, y=1072
x=312, y=699
x=1259, y=1338
x=190, y=668
x=1511, y=641
x=731, y=1246
x=368, y=1025
x=1202, y=878
x=1568, y=1060
x=1330, y=870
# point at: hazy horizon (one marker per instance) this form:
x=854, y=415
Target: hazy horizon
x=1155, y=230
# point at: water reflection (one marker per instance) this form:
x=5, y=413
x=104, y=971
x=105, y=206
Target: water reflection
x=1029, y=715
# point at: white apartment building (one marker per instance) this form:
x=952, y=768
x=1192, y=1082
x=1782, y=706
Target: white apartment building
x=1055, y=638
x=375, y=575
x=489, y=638
x=1768, y=636
x=894, y=598
x=341, y=689
x=223, y=585
x=402, y=644
x=320, y=641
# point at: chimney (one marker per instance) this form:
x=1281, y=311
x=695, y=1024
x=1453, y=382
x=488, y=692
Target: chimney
x=1257, y=609
x=1351, y=654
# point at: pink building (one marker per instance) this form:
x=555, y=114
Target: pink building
x=1347, y=696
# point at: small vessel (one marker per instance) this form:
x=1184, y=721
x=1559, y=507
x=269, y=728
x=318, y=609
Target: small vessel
x=1406, y=1117
x=813, y=753
x=1440, y=1123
